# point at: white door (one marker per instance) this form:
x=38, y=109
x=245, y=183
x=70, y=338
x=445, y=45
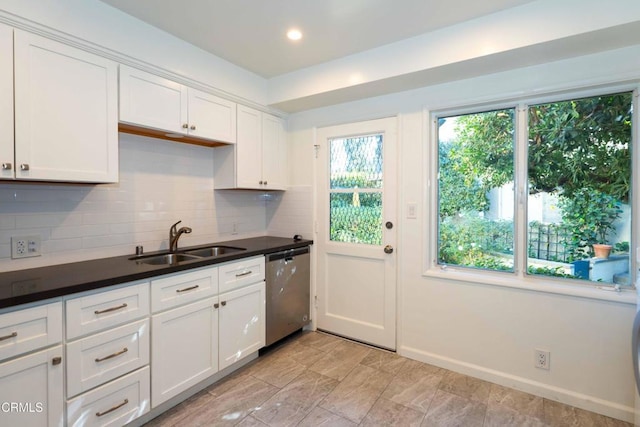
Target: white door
x=356, y=205
x=184, y=348
x=152, y=101
x=241, y=320
x=31, y=390
x=211, y=117
x=249, y=148
x=66, y=112
x=6, y=102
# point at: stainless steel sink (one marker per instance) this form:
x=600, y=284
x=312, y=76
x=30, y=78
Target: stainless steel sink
x=167, y=259
x=213, y=251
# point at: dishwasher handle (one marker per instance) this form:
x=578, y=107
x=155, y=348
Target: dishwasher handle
x=287, y=255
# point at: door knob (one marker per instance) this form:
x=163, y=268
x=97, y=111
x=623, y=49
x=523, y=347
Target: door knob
x=388, y=249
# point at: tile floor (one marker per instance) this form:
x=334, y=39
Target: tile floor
x=316, y=379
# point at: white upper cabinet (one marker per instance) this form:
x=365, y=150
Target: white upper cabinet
x=66, y=112
x=153, y=102
x=249, y=148
x=259, y=158
x=6, y=102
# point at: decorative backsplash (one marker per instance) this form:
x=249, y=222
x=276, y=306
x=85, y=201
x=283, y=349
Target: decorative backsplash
x=160, y=183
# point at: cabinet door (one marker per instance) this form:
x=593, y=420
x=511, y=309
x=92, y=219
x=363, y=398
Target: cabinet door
x=6, y=102
x=248, y=148
x=66, y=112
x=31, y=386
x=151, y=101
x=211, y=117
x=184, y=348
x=274, y=153
x=242, y=323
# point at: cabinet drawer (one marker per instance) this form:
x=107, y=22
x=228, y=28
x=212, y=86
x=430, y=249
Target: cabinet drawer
x=181, y=288
x=104, y=310
x=241, y=273
x=99, y=358
x=29, y=329
x=113, y=404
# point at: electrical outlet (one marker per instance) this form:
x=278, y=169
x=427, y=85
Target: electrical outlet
x=542, y=359
x=25, y=246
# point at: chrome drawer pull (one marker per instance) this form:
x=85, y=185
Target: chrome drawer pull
x=111, y=356
x=107, y=310
x=246, y=273
x=99, y=414
x=11, y=335
x=188, y=289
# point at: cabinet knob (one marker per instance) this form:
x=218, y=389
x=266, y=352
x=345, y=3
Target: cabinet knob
x=265, y=183
x=24, y=167
x=260, y=182
x=223, y=303
x=193, y=127
x=6, y=166
x=56, y=360
x=216, y=305
x=185, y=126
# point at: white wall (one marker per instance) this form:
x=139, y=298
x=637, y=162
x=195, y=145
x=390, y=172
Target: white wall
x=161, y=182
x=113, y=31
x=490, y=331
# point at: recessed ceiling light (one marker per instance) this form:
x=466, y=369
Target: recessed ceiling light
x=294, y=34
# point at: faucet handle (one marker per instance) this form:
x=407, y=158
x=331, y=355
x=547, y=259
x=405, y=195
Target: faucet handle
x=173, y=227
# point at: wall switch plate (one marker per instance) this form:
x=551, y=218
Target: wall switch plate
x=542, y=359
x=25, y=246
x=412, y=211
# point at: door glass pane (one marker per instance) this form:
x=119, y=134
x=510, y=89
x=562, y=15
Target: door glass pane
x=356, y=162
x=579, y=171
x=356, y=182
x=356, y=218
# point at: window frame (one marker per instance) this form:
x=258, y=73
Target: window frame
x=519, y=278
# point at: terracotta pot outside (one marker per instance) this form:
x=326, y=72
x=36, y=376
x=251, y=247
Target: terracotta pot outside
x=602, y=251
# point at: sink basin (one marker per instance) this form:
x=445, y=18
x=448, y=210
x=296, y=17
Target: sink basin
x=212, y=251
x=167, y=259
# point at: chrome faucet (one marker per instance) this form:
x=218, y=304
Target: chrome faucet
x=174, y=235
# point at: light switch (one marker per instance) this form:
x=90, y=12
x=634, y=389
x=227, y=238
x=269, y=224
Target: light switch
x=412, y=209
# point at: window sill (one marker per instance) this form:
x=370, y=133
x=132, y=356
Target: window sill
x=626, y=295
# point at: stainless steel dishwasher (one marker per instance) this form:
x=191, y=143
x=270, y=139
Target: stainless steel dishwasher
x=288, y=280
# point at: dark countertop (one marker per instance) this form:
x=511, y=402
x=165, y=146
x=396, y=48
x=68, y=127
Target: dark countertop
x=35, y=284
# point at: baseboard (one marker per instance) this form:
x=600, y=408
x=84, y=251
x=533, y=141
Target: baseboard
x=583, y=401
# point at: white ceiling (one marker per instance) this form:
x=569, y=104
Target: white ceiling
x=251, y=33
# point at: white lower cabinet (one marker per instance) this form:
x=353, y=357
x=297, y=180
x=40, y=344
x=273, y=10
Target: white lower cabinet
x=184, y=348
x=31, y=393
x=102, y=357
x=242, y=323
x=107, y=360
x=113, y=404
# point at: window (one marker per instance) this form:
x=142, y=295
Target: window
x=576, y=196
x=356, y=189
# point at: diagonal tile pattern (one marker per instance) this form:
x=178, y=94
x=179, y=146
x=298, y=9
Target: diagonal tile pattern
x=315, y=379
